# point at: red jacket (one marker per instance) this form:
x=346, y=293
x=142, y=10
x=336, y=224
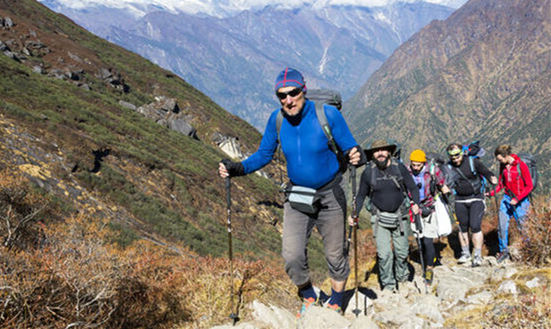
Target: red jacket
x=513, y=183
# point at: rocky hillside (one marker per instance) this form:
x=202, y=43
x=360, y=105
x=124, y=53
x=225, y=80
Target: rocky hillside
x=134, y=137
x=484, y=73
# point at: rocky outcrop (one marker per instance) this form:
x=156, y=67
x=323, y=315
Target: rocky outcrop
x=6, y=23
x=231, y=146
x=113, y=78
x=166, y=112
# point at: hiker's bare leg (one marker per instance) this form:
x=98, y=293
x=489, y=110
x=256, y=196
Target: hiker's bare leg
x=464, y=239
x=478, y=240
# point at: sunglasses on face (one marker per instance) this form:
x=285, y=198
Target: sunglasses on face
x=454, y=153
x=293, y=93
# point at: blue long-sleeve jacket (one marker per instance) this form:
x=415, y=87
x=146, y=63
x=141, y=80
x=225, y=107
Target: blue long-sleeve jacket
x=310, y=162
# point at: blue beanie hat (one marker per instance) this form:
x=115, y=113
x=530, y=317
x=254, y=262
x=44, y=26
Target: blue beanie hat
x=289, y=77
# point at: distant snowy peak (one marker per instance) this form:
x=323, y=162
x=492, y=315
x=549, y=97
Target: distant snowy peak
x=222, y=8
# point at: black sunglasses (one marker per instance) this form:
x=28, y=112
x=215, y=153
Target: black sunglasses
x=293, y=92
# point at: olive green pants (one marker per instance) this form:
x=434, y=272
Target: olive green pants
x=393, y=264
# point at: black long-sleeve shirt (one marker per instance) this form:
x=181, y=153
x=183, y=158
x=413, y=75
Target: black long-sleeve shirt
x=386, y=196
x=463, y=188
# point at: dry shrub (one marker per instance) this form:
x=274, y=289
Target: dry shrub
x=64, y=274
x=20, y=208
x=208, y=288
x=536, y=247
x=530, y=310
x=78, y=281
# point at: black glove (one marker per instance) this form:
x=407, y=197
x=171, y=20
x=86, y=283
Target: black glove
x=233, y=168
x=363, y=158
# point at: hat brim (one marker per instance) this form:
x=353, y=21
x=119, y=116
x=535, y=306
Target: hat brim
x=369, y=152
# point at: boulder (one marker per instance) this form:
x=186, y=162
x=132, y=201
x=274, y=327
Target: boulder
x=180, y=125
x=272, y=315
x=127, y=105
x=534, y=283
x=508, y=287
x=166, y=112
x=6, y=22
x=427, y=307
x=11, y=55
x=4, y=47
x=104, y=74
x=231, y=147
x=317, y=317
x=480, y=298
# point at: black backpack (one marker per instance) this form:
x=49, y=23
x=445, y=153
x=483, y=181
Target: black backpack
x=530, y=161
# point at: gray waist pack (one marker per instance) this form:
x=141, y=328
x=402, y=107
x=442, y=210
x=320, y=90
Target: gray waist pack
x=303, y=199
x=389, y=219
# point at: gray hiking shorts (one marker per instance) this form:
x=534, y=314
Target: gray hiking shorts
x=330, y=222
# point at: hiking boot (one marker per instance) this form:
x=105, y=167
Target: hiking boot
x=429, y=275
x=390, y=289
x=464, y=258
x=335, y=308
x=502, y=256
x=477, y=261
x=306, y=303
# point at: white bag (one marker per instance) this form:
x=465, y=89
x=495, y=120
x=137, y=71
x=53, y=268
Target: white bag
x=443, y=221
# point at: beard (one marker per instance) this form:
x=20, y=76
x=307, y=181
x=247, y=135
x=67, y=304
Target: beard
x=415, y=172
x=381, y=164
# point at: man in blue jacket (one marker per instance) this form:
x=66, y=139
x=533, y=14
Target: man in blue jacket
x=311, y=164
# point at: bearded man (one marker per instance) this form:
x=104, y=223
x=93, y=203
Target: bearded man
x=389, y=186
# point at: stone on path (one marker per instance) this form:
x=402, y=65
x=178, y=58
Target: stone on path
x=509, y=287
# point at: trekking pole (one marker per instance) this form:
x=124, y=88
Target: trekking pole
x=419, y=229
x=352, y=179
x=233, y=315
x=356, y=311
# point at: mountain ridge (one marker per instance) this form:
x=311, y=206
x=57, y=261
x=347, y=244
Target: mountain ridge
x=234, y=59
x=481, y=74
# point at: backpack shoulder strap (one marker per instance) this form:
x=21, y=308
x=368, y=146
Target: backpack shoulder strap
x=279, y=122
x=373, y=178
x=519, y=172
x=395, y=171
x=322, y=118
x=398, y=178
x=471, y=164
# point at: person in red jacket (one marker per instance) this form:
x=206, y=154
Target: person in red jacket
x=515, y=180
